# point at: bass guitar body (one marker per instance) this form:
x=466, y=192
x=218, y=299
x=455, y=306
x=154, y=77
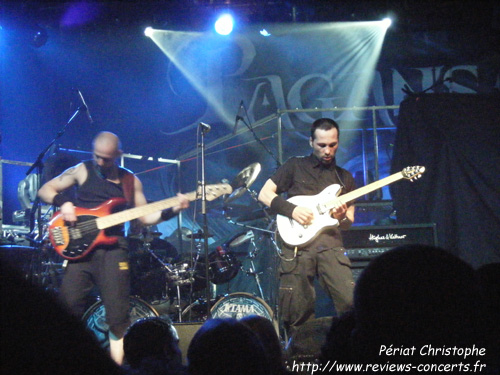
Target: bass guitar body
x=76, y=241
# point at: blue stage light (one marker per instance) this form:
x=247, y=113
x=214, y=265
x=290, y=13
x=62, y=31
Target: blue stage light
x=224, y=24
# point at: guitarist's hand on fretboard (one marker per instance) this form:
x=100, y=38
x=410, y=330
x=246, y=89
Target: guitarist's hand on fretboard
x=303, y=215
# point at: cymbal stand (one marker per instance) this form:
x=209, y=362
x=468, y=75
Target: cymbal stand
x=252, y=270
x=231, y=221
x=191, y=278
x=255, y=197
x=150, y=251
x=170, y=270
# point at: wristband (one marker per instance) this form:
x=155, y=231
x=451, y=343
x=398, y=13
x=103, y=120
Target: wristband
x=167, y=214
x=344, y=220
x=282, y=207
x=60, y=199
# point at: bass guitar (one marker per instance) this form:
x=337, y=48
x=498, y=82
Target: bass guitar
x=295, y=234
x=76, y=241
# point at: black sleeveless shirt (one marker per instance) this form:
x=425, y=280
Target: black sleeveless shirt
x=97, y=190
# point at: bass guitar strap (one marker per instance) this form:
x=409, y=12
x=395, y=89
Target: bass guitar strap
x=127, y=180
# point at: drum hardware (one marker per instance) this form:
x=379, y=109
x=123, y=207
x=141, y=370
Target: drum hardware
x=196, y=311
x=151, y=274
x=253, y=216
x=229, y=211
x=251, y=227
x=252, y=255
x=182, y=275
x=150, y=236
x=198, y=235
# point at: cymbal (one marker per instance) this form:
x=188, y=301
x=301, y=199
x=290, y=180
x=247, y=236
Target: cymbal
x=240, y=239
x=243, y=181
x=183, y=232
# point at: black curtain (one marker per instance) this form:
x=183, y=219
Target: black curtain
x=457, y=138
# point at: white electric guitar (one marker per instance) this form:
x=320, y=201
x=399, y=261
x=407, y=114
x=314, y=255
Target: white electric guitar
x=295, y=234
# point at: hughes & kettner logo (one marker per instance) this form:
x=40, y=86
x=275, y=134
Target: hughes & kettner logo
x=388, y=236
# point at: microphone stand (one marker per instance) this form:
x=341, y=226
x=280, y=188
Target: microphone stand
x=205, y=130
x=39, y=165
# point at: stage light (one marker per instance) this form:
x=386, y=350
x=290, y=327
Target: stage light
x=148, y=31
x=224, y=24
x=387, y=22
x=39, y=37
x=264, y=32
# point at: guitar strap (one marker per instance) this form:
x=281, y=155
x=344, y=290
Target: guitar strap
x=128, y=191
x=128, y=187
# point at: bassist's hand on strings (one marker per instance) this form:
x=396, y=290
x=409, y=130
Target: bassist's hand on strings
x=68, y=212
x=303, y=215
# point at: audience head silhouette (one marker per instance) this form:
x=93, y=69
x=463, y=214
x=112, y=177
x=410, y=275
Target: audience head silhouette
x=152, y=339
x=226, y=346
x=266, y=332
x=415, y=295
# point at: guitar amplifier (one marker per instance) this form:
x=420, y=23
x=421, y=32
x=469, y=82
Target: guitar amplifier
x=363, y=243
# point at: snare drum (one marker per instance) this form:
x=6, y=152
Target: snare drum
x=239, y=305
x=95, y=318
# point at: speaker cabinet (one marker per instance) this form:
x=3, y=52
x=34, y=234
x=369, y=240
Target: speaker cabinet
x=186, y=331
x=363, y=243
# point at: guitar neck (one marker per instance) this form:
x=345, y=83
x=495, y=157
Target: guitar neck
x=136, y=212
x=366, y=189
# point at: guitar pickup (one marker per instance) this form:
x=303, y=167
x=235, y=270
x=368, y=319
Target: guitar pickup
x=75, y=233
x=321, y=208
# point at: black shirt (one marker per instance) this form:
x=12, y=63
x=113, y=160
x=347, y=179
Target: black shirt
x=306, y=175
x=96, y=190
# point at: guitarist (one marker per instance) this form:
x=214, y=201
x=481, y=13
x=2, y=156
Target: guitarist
x=97, y=181
x=324, y=257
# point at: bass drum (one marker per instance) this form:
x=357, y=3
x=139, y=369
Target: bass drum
x=239, y=305
x=95, y=318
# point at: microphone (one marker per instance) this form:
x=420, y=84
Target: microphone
x=205, y=127
x=238, y=117
x=85, y=106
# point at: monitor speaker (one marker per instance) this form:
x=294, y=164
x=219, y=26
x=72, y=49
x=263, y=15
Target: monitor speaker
x=186, y=331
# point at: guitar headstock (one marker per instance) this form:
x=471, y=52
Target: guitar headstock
x=217, y=190
x=413, y=173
